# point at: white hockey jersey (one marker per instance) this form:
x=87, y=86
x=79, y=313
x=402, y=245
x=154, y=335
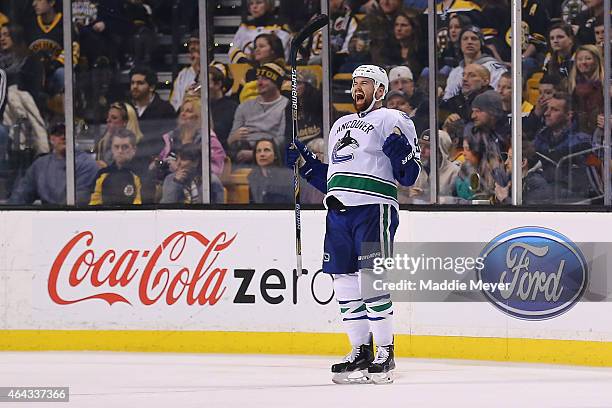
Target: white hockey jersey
x=359, y=172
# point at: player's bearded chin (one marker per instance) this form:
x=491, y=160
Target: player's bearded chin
x=361, y=101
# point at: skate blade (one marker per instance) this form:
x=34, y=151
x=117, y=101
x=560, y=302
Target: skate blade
x=382, y=378
x=353, y=377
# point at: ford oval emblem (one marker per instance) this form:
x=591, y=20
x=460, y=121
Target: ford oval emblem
x=545, y=273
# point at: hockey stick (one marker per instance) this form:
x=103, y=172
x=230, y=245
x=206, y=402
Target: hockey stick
x=296, y=44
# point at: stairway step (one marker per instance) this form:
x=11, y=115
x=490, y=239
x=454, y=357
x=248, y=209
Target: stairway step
x=227, y=21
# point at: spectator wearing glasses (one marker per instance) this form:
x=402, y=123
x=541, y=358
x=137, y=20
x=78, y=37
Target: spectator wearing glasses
x=45, y=180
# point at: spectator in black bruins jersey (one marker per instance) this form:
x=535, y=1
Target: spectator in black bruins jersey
x=46, y=39
x=495, y=20
x=260, y=20
x=118, y=184
x=584, y=23
x=561, y=47
x=498, y=32
x=446, y=9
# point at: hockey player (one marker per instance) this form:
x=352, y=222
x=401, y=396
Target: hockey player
x=369, y=153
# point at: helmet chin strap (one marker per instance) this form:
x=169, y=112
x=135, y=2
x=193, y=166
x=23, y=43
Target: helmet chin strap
x=374, y=100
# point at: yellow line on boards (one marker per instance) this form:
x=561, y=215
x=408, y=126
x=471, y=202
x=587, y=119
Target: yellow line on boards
x=575, y=352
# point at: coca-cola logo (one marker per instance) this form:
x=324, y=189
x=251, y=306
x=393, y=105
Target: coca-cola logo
x=157, y=275
x=545, y=272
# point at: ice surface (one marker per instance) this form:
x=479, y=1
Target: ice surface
x=101, y=379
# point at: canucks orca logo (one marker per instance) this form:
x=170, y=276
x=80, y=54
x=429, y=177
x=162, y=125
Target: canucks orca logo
x=346, y=141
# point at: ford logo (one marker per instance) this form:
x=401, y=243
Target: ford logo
x=544, y=273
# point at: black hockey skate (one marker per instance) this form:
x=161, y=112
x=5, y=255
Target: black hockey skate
x=381, y=369
x=354, y=368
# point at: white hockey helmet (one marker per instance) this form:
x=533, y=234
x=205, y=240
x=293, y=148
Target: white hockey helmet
x=376, y=74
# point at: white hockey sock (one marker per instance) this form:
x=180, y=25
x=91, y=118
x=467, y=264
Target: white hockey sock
x=380, y=317
x=352, y=308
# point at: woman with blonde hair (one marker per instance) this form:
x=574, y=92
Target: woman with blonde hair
x=585, y=84
x=120, y=115
x=188, y=130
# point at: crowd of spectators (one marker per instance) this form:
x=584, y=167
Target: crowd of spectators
x=147, y=145
x=563, y=96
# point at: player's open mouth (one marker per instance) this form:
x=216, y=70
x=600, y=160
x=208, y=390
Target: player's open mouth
x=359, y=97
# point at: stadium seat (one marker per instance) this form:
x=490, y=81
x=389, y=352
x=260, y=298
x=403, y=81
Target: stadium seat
x=236, y=183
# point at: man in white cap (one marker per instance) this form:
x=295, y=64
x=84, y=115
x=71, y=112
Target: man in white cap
x=401, y=79
x=369, y=153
